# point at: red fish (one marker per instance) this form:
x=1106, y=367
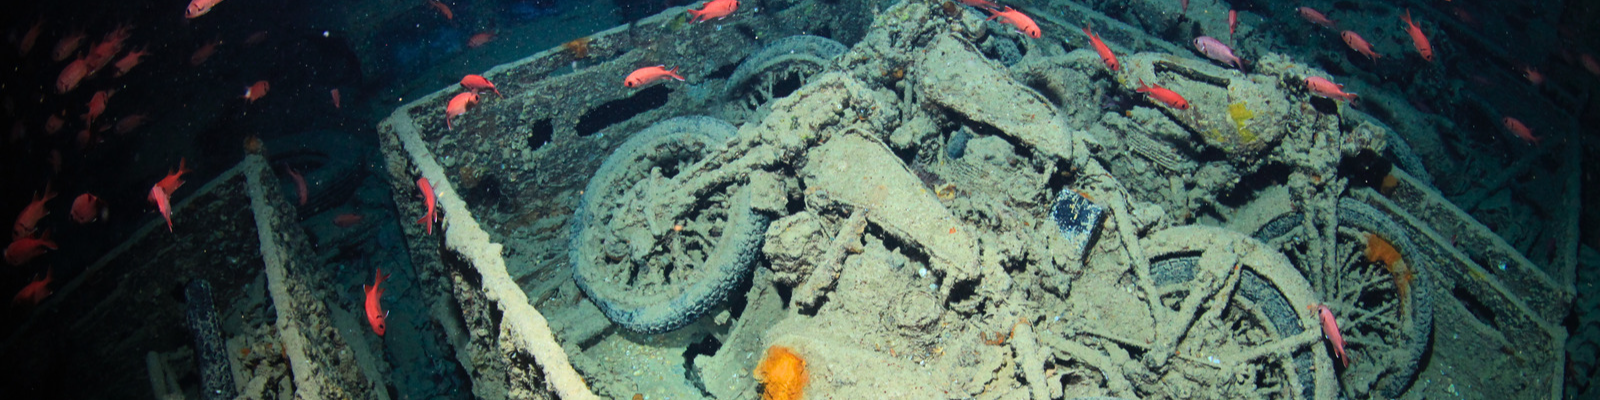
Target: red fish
x=480, y=39
x=1464, y=16
x=1168, y=97
x=163, y=202
x=443, y=9
x=1100, y=47
x=161, y=193
x=1024, y=24
x=199, y=7
x=256, y=91
x=1589, y=63
x=204, y=53
x=102, y=52
x=427, y=199
x=85, y=137
x=127, y=62
x=1517, y=128
x=72, y=75
x=174, y=179
x=647, y=75
x=129, y=123
x=1418, y=40
x=299, y=184
x=1359, y=45
x=28, y=220
x=1316, y=17
x=88, y=208
x=718, y=9
x=53, y=124
x=255, y=38
x=375, y=314
x=1330, y=329
x=1233, y=21
x=97, y=105
x=335, y=93
x=35, y=292
x=347, y=220
x=476, y=83
x=1323, y=87
x=26, y=249
x=67, y=45
x=28, y=39
x=1533, y=75
x=1215, y=50
x=457, y=106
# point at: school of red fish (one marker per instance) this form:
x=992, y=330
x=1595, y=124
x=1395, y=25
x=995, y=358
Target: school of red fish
x=85, y=61
x=112, y=57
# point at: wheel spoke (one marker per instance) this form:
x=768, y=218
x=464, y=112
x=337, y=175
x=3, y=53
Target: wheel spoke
x=1280, y=346
x=1379, y=313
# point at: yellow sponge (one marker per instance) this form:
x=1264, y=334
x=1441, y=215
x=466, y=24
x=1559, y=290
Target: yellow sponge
x=1239, y=113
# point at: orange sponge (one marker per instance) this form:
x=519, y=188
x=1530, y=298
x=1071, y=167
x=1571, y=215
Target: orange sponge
x=783, y=374
x=1379, y=249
